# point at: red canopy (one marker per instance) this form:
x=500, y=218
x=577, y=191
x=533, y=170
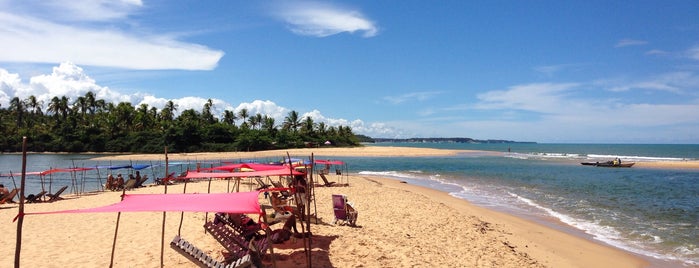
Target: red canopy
x=329, y=162
x=253, y=166
x=263, y=173
x=243, y=202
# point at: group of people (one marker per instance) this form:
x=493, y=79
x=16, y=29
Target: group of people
x=114, y=184
x=117, y=183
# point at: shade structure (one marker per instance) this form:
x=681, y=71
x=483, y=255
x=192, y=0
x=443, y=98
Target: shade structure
x=276, y=172
x=243, y=202
x=329, y=162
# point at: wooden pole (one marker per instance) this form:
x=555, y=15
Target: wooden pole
x=20, y=220
x=162, y=231
x=116, y=231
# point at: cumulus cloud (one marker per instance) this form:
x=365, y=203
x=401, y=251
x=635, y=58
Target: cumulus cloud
x=324, y=19
x=630, y=42
x=44, y=37
x=72, y=81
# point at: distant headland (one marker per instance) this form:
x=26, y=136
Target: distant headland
x=446, y=140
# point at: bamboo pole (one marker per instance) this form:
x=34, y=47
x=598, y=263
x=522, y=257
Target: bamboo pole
x=116, y=230
x=162, y=231
x=20, y=222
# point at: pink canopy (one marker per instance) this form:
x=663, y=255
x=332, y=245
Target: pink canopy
x=329, y=162
x=263, y=173
x=253, y=166
x=244, y=202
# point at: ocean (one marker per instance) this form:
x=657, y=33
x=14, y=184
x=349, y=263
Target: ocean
x=651, y=212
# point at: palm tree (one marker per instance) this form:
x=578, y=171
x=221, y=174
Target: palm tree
x=33, y=103
x=18, y=107
x=243, y=115
x=91, y=102
x=307, y=126
x=206, y=114
x=268, y=123
x=142, y=118
x=292, y=121
x=168, y=112
x=229, y=117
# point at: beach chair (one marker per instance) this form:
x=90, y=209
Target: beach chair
x=8, y=197
x=325, y=180
x=35, y=198
x=285, y=193
x=199, y=257
x=234, y=221
x=130, y=184
x=235, y=243
x=343, y=210
x=57, y=196
x=139, y=183
x=262, y=184
x=167, y=180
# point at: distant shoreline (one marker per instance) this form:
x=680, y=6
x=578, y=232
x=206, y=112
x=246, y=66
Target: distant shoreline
x=365, y=151
x=322, y=153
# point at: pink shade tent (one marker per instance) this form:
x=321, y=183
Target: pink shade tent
x=253, y=166
x=244, y=202
x=329, y=162
x=275, y=172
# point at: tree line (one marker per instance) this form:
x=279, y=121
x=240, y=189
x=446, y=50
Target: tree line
x=88, y=124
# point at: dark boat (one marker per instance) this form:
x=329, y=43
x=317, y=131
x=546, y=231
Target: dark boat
x=608, y=164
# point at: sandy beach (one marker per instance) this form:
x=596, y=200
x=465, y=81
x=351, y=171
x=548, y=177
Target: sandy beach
x=399, y=225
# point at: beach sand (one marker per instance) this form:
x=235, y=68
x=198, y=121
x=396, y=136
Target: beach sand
x=399, y=225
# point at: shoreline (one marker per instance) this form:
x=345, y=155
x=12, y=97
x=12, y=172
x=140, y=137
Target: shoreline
x=433, y=229
x=524, y=236
x=366, y=151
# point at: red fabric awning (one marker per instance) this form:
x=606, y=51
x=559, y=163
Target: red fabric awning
x=263, y=173
x=243, y=202
x=329, y=162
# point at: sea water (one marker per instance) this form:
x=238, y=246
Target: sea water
x=648, y=211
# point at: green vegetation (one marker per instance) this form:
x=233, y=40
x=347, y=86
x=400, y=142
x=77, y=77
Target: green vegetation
x=93, y=125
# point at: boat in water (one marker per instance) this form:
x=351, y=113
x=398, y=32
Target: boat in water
x=608, y=164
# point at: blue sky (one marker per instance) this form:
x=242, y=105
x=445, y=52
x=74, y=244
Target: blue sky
x=544, y=71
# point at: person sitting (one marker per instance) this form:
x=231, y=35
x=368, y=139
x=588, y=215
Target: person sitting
x=138, y=176
x=111, y=183
x=119, y=182
x=280, y=205
x=3, y=191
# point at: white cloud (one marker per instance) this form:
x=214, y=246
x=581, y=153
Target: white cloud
x=26, y=37
x=544, y=97
x=87, y=10
x=675, y=82
x=693, y=53
x=71, y=81
x=656, y=52
x=323, y=19
x=630, y=42
x=413, y=96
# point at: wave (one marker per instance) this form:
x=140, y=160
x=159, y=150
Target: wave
x=574, y=156
x=611, y=236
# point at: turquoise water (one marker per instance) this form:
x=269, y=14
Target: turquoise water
x=650, y=212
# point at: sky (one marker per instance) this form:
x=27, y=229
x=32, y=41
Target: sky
x=541, y=71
